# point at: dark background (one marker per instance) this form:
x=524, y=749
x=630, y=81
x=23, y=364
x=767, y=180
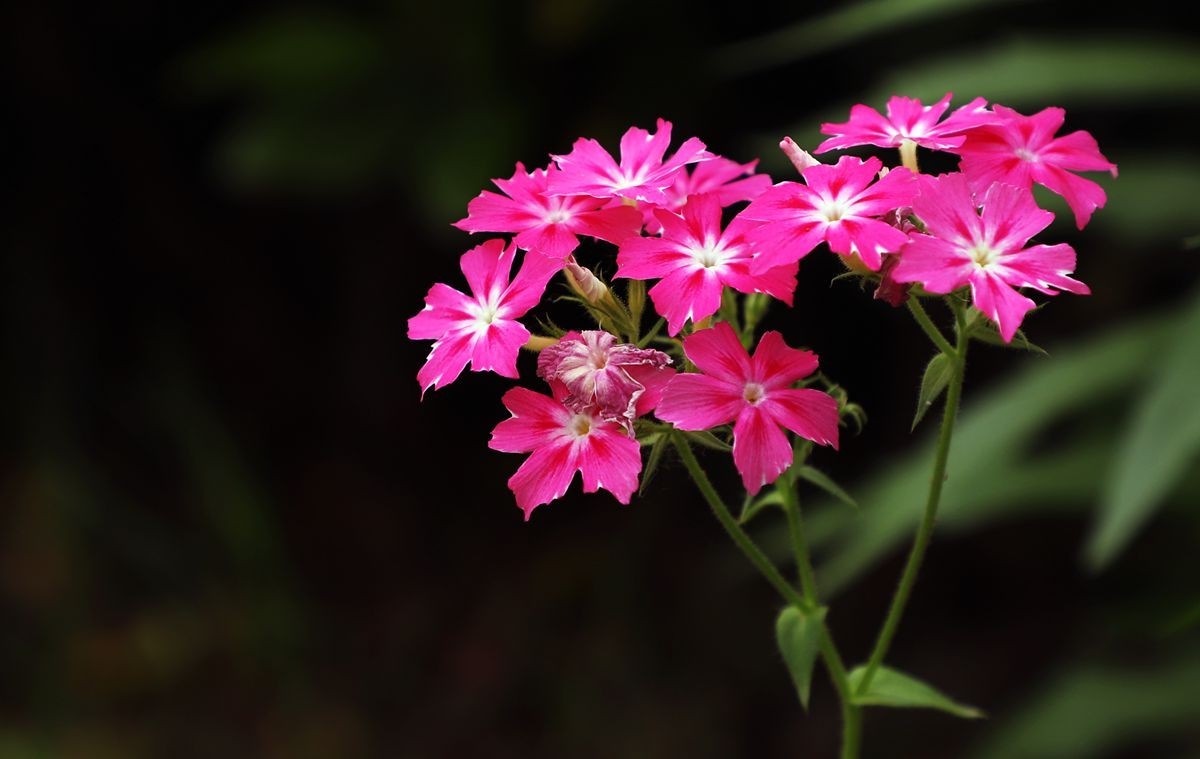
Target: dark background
x=229, y=527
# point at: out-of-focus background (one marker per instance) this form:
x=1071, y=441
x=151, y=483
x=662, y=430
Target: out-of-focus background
x=228, y=527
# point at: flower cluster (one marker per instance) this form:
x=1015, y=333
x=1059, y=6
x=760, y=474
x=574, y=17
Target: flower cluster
x=671, y=220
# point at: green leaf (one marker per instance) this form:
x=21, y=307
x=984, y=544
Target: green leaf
x=799, y=638
x=654, y=459
x=653, y=333
x=752, y=506
x=635, y=299
x=708, y=440
x=1158, y=448
x=893, y=688
x=937, y=375
x=822, y=480
x=985, y=332
x=1094, y=710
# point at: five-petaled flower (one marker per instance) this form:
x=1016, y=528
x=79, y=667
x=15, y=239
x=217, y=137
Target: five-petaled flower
x=839, y=204
x=617, y=382
x=1021, y=150
x=907, y=120
x=985, y=250
x=696, y=260
x=756, y=394
x=548, y=224
x=480, y=328
x=562, y=442
x=644, y=173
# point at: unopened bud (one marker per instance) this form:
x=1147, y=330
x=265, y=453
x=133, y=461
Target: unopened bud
x=799, y=157
x=586, y=284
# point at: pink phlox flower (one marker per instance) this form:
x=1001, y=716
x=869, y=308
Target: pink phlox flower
x=696, y=259
x=729, y=181
x=985, y=250
x=548, y=224
x=644, y=173
x=1022, y=150
x=480, y=328
x=839, y=205
x=562, y=442
x=756, y=394
x=907, y=119
x=602, y=376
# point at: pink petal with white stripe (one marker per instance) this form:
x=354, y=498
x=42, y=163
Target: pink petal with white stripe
x=562, y=443
x=480, y=328
x=761, y=451
x=907, y=119
x=1022, y=150
x=643, y=174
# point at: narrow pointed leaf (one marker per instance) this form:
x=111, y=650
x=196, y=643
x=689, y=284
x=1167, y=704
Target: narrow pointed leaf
x=893, y=688
x=937, y=376
x=654, y=459
x=822, y=480
x=799, y=638
x=1162, y=443
x=708, y=440
x=752, y=507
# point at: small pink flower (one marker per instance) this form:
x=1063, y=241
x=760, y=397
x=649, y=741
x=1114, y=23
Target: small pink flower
x=838, y=205
x=1022, y=150
x=986, y=251
x=560, y=443
x=756, y=394
x=908, y=120
x=545, y=223
x=642, y=175
x=729, y=181
x=480, y=328
x=604, y=378
x=695, y=260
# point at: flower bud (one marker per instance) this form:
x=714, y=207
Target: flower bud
x=799, y=157
x=586, y=284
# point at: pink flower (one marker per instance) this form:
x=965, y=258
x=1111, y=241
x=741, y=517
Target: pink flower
x=986, y=251
x=545, y=223
x=560, y=443
x=756, y=394
x=642, y=175
x=695, y=260
x=1021, y=150
x=617, y=383
x=838, y=205
x=480, y=328
x=907, y=119
x=729, y=181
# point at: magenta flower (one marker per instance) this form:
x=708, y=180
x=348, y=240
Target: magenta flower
x=986, y=251
x=838, y=205
x=562, y=442
x=729, y=181
x=908, y=120
x=480, y=328
x=604, y=378
x=545, y=223
x=1021, y=150
x=756, y=394
x=642, y=175
x=695, y=260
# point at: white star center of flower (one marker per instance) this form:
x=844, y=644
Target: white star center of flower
x=558, y=216
x=712, y=253
x=1025, y=154
x=754, y=393
x=580, y=425
x=834, y=209
x=983, y=255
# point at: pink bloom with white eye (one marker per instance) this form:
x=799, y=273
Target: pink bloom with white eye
x=985, y=250
x=729, y=181
x=756, y=394
x=562, y=442
x=603, y=377
x=839, y=205
x=1022, y=150
x=480, y=328
x=907, y=120
x=695, y=260
x=548, y=224
x=644, y=173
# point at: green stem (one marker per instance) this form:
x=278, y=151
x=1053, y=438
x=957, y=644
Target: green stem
x=918, y=312
x=808, y=580
x=851, y=714
x=925, y=530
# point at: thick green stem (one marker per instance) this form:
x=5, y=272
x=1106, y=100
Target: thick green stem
x=918, y=312
x=851, y=714
x=925, y=529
